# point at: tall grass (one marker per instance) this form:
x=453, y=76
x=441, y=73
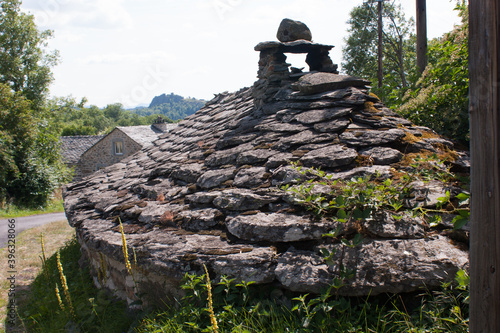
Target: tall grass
x=246, y=308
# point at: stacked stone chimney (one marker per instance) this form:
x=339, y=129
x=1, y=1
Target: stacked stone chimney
x=275, y=73
x=159, y=124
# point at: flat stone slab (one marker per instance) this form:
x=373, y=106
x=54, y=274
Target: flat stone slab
x=381, y=266
x=215, y=178
x=315, y=83
x=322, y=115
x=382, y=155
x=371, y=137
x=241, y=200
x=297, y=46
x=330, y=157
x=276, y=227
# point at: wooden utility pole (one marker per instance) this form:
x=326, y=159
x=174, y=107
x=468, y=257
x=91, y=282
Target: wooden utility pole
x=421, y=35
x=380, y=73
x=484, y=109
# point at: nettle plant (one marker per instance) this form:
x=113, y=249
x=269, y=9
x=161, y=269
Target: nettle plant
x=353, y=202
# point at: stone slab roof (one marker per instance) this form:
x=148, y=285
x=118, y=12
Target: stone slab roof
x=297, y=46
x=72, y=147
x=144, y=134
x=209, y=192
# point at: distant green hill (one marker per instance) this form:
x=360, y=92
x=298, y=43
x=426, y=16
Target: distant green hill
x=172, y=106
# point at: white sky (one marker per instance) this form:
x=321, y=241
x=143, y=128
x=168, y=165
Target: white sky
x=128, y=51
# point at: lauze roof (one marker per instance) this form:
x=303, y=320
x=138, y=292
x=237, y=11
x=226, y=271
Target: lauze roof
x=72, y=147
x=209, y=192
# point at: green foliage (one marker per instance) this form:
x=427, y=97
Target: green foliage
x=242, y=307
x=55, y=205
x=29, y=151
x=76, y=119
x=238, y=306
x=351, y=202
x=95, y=311
x=173, y=106
x=440, y=98
x=361, y=51
x=24, y=63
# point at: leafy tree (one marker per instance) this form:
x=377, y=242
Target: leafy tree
x=24, y=65
x=361, y=51
x=114, y=111
x=440, y=98
x=31, y=166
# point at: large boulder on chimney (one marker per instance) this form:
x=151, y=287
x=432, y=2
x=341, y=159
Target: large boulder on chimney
x=291, y=30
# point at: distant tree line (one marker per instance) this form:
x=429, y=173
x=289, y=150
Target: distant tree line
x=76, y=119
x=172, y=106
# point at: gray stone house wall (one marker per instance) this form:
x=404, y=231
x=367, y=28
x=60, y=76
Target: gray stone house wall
x=103, y=154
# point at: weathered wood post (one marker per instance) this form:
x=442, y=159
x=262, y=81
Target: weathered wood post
x=380, y=72
x=484, y=111
x=421, y=35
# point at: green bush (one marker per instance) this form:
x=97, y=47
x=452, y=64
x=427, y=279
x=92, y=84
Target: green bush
x=440, y=100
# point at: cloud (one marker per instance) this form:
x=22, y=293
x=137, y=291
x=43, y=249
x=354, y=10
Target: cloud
x=97, y=14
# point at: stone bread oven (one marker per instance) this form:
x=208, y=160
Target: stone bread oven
x=209, y=192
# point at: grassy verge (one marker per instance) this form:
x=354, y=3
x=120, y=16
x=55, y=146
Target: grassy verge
x=28, y=263
x=13, y=211
x=63, y=298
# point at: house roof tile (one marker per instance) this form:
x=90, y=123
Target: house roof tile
x=72, y=147
x=144, y=134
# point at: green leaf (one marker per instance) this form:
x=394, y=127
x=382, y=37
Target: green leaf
x=358, y=239
x=357, y=214
x=324, y=252
x=463, y=212
x=463, y=196
x=341, y=214
x=462, y=278
x=459, y=221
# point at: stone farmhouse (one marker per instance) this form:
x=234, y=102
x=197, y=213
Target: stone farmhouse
x=87, y=154
x=72, y=148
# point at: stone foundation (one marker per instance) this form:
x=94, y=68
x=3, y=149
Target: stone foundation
x=142, y=289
